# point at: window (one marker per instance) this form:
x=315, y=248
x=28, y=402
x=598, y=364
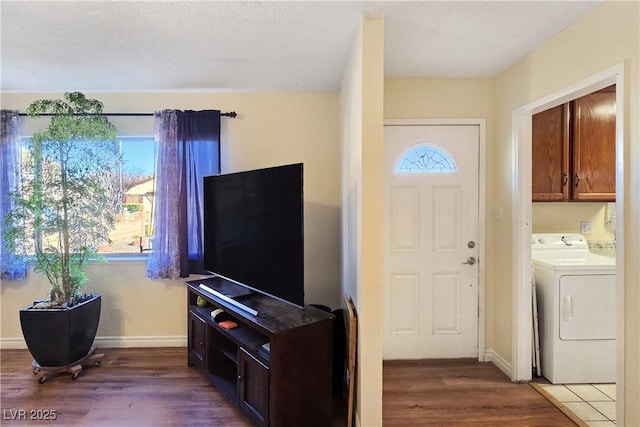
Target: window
x=132, y=233
x=425, y=159
x=132, y=191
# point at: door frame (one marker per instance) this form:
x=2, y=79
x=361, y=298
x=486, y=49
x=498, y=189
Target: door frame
x=522, y=222
x=481, y=123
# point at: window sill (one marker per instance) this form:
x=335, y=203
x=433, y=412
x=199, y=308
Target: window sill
x=125, y=257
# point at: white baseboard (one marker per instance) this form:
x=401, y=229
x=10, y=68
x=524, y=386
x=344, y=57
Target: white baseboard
x=113, y=342
x=153, y=341
x=12, y=343
x=496, y=359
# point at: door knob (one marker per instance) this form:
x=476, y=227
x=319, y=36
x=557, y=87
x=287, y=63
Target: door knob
x=471, y=260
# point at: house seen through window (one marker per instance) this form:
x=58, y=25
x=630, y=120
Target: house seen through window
x=131, y=188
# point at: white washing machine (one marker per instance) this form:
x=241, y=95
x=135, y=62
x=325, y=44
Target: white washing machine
x=576, y=293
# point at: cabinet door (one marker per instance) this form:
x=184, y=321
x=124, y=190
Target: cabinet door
x=550, y=155
x=594, y=147
x=196, y=341
x=253, y=388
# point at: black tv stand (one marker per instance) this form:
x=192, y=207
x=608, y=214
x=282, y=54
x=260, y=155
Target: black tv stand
x=276, y=365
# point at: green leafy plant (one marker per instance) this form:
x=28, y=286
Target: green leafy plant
x=64, y=209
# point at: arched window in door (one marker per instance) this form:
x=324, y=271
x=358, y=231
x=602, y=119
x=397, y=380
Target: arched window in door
x=426, y=159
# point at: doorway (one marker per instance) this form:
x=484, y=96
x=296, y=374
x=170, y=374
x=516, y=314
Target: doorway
x=433, y=239
x=522, y=225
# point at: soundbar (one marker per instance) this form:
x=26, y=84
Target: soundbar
x=229, y=300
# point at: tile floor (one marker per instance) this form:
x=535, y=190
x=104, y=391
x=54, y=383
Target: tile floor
x=595, y=404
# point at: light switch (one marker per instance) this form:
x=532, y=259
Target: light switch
x=497, y=213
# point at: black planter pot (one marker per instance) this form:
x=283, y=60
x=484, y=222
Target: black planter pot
x=61, y=337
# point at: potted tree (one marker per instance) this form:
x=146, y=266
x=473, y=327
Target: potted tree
x=62, y=212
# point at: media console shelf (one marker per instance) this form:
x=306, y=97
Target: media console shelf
x=276, y=366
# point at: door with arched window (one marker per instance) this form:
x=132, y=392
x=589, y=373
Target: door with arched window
x=431, y=185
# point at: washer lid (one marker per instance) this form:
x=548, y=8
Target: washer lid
x=567, y=251
x=592, y=263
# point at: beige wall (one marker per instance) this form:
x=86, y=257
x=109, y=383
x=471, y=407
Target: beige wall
x=409, y=98
x=605, y=37
x=551, y=217
x=361, y=112
x=136, y=311
x=351, y=146
x=271, y=129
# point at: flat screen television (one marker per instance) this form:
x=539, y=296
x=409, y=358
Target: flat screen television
x=253, y=230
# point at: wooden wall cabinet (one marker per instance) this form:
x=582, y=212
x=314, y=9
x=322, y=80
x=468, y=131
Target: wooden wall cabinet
x=288, y=385
x=550, y=154
x=573, y=150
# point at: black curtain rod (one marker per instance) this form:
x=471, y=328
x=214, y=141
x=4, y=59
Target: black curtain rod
x=231, y=114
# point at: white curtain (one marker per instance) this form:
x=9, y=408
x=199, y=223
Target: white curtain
x=164, y=260
x=13, y=266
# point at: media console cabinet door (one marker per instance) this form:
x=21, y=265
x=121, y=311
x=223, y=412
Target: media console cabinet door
x=253, y=388
x=197, y=334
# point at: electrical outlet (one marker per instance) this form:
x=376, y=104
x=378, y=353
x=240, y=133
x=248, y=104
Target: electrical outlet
x=586, y=227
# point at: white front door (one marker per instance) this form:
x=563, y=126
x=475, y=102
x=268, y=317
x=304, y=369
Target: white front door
x=431, y=184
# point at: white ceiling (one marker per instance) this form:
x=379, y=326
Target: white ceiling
x=128, y=46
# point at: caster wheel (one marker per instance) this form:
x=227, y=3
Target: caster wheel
x=75, y=375
x=98, y=362
x=42, y=380
x=35, y=371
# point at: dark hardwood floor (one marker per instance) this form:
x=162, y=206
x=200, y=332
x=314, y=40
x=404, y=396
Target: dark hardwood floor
x=133, y=387
x=461, y=392
x=154, y=387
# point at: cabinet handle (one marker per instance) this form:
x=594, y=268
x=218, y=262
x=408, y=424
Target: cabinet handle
x=565, y=178
x=239, y=377
x=577, y=180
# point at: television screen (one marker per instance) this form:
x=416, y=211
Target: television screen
x=253, y=230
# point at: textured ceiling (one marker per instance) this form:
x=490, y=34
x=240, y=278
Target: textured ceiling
x=116, y=46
